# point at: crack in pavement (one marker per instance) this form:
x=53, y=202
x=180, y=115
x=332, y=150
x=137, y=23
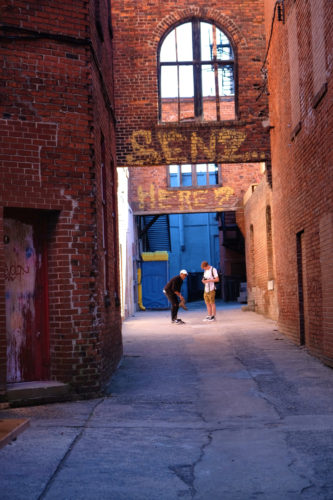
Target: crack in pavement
x=186, y=472
x=69, y=451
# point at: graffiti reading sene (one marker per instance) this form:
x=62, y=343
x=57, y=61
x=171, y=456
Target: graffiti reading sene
x=173, y=147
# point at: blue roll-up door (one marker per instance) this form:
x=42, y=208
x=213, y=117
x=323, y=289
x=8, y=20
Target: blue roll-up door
x=154, y=278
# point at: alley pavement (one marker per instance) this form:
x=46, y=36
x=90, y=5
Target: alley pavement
x=228, y=410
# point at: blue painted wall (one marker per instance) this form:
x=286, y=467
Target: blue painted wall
x=194, y=238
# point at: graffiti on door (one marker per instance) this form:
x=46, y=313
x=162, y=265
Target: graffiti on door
x=21, y=261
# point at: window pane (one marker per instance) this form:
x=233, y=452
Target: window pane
x=223, y=47
x=186, y=111
x=206, y=35
x=201, y=174
x=208, y=80
x=186, y=92
x=186, y=175
x=168, y=48
x=169, y=110
x=169, y=81
x=226, y=80
x=226, y=93
x=184, y=42
x=186, y=86
x=174, y=175
x=214, y=43
x=213, y=172
x=208, y=93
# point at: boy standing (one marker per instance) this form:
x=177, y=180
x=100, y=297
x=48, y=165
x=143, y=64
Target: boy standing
x=210, y=277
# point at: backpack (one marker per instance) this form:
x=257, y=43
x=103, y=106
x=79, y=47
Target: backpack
x=212, y=275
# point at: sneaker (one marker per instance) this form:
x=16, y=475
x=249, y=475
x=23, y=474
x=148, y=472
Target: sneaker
x=207, y=318
x=211, y=318
x=178, y=321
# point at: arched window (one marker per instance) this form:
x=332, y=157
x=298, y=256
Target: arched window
x=196, y=74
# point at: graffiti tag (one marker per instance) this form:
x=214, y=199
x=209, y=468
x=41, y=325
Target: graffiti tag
x=15, y=271
x=173, y=147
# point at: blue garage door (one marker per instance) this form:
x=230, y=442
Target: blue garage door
x=154, y=277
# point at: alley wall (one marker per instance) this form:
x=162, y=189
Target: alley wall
x=299, y=68
x=150, y=190
x=58, y=165
x=146, y=139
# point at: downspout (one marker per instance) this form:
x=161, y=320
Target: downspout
x=142, y=307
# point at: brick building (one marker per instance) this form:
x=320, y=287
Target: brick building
x=145, y=137
x=187, y=84
x=186, y=81
x=289, y=222
x=59, y=306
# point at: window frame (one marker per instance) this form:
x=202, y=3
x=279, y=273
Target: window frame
x=197, y=65
x=194, y=184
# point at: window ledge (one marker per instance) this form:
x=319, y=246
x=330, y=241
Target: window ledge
x=192, y=188
x=201, y=124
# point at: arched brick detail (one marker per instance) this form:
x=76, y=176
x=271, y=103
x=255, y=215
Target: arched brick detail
x=203, y=12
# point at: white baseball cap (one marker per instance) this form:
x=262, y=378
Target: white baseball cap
x=183, y=271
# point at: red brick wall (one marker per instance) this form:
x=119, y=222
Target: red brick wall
x=261, y=282
x=147, y=144
x=55, y=105
x=149, y=191
x=302, y=200
x=141, y=140
x=3, y=341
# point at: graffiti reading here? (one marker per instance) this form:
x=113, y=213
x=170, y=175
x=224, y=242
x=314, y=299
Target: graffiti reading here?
x=159, y=199
x=15, y=271
x=173, y=147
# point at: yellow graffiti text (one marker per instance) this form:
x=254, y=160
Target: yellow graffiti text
x=183, y=200
x=197, y=144
x=142, y=153
x=172, y=147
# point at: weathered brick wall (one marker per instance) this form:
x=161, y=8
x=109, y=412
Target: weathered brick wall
x=149, y=191
x=141, y=139
x=260, y=264
x=300, y=86
x=3, y=343
x=55, y=105
x=102, y=111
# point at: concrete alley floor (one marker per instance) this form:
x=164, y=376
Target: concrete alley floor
x=230, y=410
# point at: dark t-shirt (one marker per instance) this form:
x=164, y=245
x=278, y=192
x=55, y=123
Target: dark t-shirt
x=174, y=285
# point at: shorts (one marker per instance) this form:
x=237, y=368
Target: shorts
x=209, y=297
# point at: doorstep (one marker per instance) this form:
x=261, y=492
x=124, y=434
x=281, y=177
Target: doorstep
x=10, y=428
x=37, y=392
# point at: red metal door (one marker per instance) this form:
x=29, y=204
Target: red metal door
x=26, y=297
